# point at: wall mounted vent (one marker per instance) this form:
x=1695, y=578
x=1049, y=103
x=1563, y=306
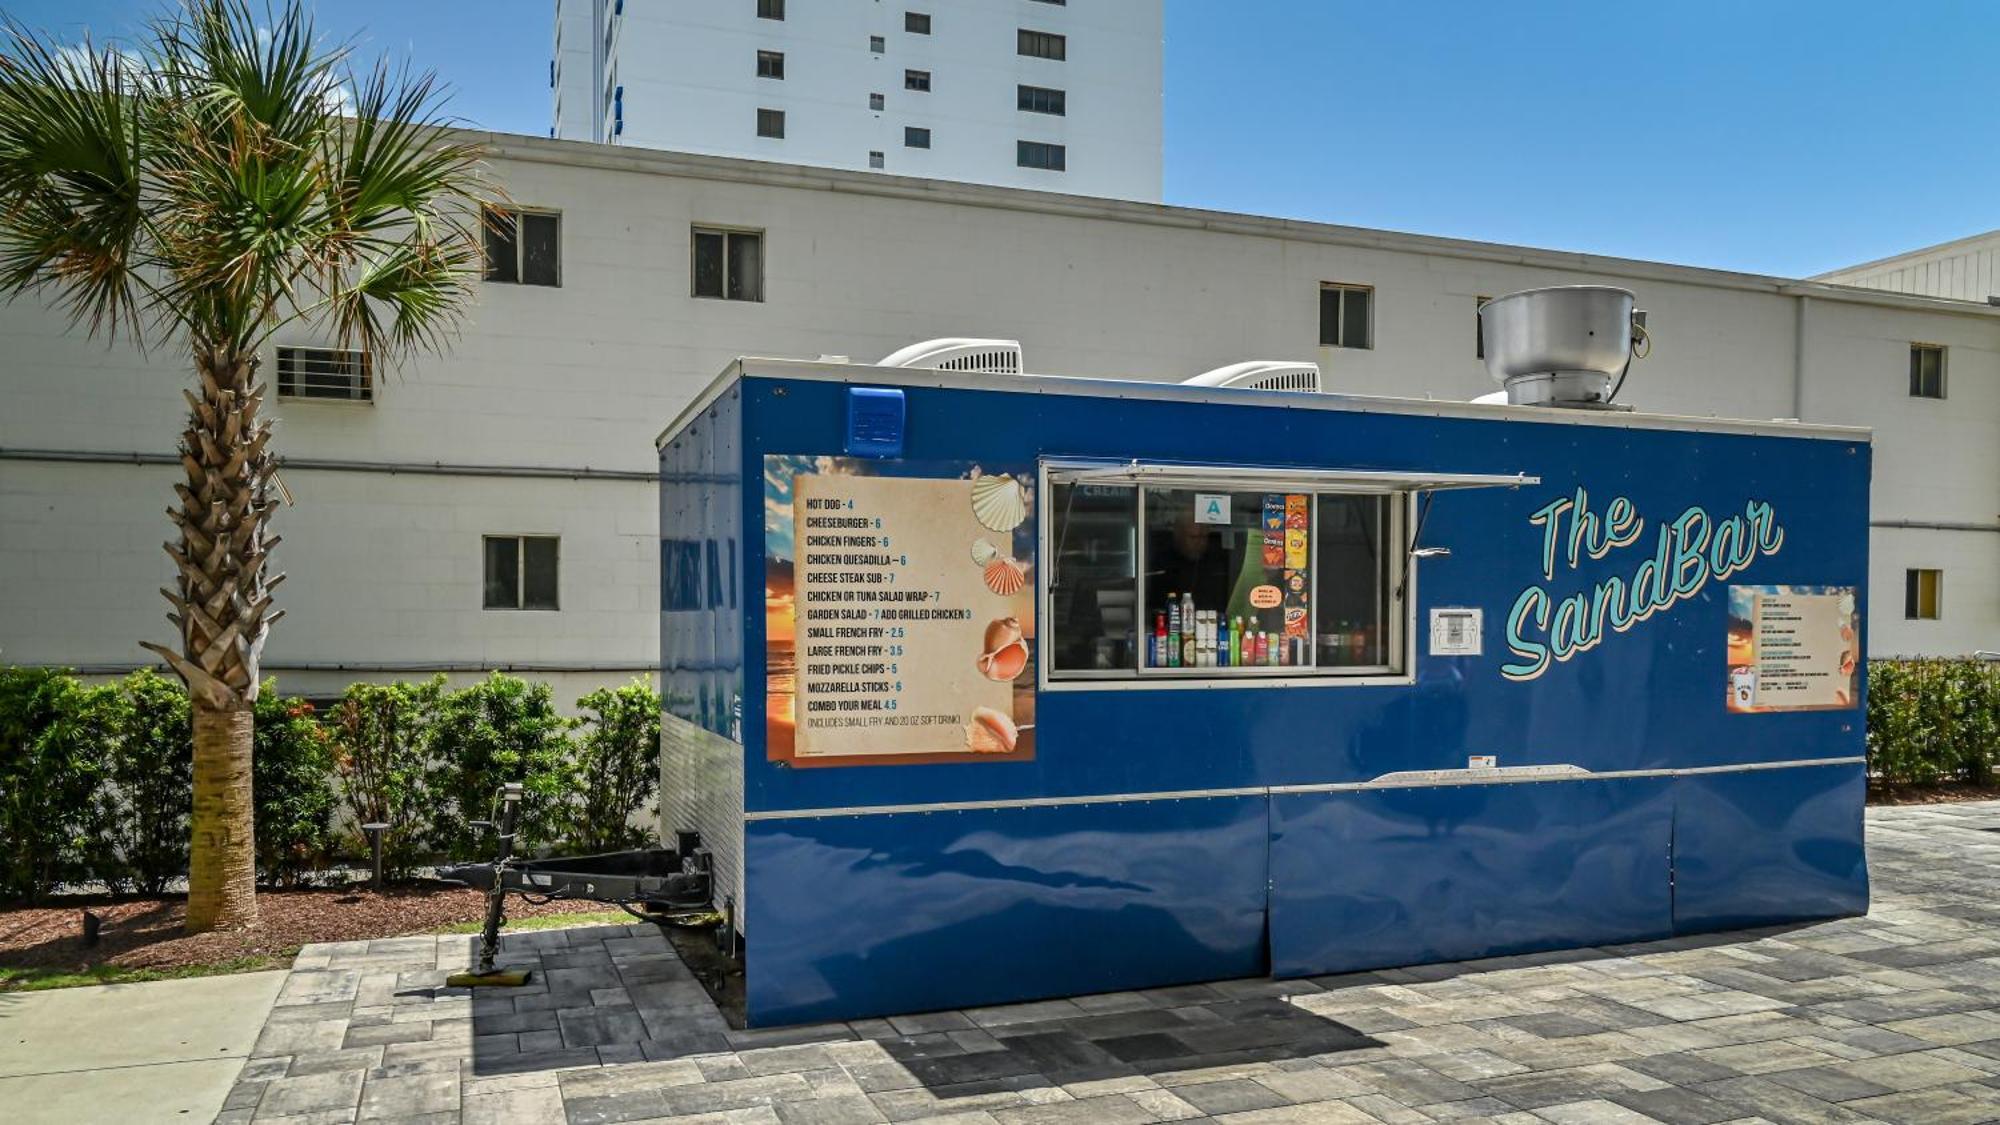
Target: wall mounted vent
x=987, y=357
x=1263, y=375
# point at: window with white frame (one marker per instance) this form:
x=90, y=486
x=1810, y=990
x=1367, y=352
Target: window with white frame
x=915, y=137
x=771, y=64
x=1220, y=581
x=1041, y=44
x=728, y=264
x=1346, y=316
x=1041, y=154
x=523, y=247
x=1923, y=593
x=1926, y=371
x=340, y=374
x=917, y=23
x=1041, y=99
x=919, y=80
x=771, y=123
x=521, y=571
x=770, y=9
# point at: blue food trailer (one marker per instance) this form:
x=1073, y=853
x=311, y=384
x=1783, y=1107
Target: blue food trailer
x=984, y=688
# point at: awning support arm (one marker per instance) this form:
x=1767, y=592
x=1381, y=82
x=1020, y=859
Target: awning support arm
x=1416, y=536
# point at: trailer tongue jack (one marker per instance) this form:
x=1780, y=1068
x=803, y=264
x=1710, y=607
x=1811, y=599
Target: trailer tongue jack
x=648, y=884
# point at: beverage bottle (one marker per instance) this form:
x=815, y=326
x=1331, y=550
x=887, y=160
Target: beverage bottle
x=1173, y=659
x=1236, y=640
x=1157, y=650
x=1275, y=647
x=1223, y=641
x=1207, y=633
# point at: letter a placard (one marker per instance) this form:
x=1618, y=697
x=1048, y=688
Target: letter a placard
x=1211, y=507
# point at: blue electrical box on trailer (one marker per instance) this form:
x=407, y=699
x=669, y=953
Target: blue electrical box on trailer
x=1002, y=687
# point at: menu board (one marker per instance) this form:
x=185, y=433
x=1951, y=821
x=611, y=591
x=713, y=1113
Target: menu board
x=898, y=611
x=1792, y=648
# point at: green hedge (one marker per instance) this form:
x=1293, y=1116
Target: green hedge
x=1933, y=721
x=95, y=781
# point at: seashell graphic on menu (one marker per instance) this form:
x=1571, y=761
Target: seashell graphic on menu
x=1006, y=654
x=1005, y=577
x=983, y=552
x=991, y=732
x=998, y=502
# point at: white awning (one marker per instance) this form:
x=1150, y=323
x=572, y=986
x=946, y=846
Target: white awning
x=1278, y=479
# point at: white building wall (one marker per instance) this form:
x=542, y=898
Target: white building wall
x=385, y=565
x=576, y=80
x=689, y=75
x=1963, y=270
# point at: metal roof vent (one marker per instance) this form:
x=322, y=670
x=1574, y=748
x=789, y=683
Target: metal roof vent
x=1562, y=346
x=987, y=357
x=1263, y=375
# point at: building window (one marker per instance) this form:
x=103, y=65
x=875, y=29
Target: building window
x=917, y=80
x=521, y=571
x=771, y=123
x=917, y=23
x=876, y=101
x=875, y=160
x=1926, y=371
x=729, y=264
x=1227, y=583
x=1479, y=328
x=877, y=44
x=914, y=137
x=1346, y=313
x=770, y=9
x=1038, y=154
x=333, y=373
x=1041, y=44
x=1041, y=99
x=522, y=247
x=1922, y=590
x=770, y=64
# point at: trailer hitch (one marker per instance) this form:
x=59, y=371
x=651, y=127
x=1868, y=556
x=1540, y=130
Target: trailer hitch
x=646, y=883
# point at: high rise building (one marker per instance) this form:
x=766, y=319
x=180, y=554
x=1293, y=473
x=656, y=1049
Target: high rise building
x=1023, y=93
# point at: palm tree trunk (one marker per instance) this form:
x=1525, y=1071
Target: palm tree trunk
x=222, y=609
x=222, y=865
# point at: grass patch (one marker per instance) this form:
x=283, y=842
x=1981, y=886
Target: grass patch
x=24, y=979
x=546, y=922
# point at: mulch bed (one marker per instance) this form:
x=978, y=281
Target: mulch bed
x=1930, y=794
x=146, y=932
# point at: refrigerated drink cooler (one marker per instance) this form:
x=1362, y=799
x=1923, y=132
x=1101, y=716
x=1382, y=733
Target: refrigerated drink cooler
x=984, y=688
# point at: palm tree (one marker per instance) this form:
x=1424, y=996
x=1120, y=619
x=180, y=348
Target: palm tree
x=226, y=178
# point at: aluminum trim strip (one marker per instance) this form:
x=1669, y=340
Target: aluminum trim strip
x=771, y=367
x=1414, y=779
x=1366, y=481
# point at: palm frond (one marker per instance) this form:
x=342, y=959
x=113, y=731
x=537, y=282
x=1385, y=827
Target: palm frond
x=72, y=204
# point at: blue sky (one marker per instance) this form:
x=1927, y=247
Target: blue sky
x=1777, y=136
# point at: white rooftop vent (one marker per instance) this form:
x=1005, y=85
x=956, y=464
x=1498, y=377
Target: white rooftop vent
x=987, y=357
x=1263, y=375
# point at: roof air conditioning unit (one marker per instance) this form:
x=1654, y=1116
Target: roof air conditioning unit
x=986, y=357
x=1263, y=375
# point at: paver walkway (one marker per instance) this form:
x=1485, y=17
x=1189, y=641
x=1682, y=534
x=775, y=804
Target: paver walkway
x=1894, y=1017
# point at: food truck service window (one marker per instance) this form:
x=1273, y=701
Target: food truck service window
x=1190, y=580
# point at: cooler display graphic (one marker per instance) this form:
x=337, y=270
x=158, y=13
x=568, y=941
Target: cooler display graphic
x=898, y=619
x=1792, y=648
